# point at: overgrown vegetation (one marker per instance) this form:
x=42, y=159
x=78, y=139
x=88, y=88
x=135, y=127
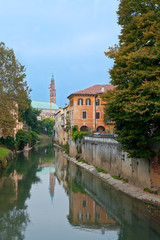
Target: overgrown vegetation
x=134, y=104
x=101, y=170
x=82, y=160
x=116, y=177
x=120, y=178
x=147, y=190
x=77, y=134
x=3, y=154
x=66, y=148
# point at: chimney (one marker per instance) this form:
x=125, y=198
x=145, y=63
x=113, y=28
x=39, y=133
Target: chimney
x=102, y=89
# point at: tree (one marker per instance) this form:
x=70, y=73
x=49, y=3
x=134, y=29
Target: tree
x=134, y=104
x=47, y=125
x=14, y=91
x=30, y=117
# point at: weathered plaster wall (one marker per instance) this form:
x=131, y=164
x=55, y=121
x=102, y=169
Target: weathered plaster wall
x=106, y=153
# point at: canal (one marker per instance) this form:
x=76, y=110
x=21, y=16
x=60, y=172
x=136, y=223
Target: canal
x=44, y=196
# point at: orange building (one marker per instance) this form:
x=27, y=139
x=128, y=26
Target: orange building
x=86, y=109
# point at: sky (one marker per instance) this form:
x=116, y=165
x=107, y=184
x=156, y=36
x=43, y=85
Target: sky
x=65, y=37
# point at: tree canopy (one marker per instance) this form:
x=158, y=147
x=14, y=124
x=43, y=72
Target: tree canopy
x=134, y=104
x=47, y=125
x=14, y=91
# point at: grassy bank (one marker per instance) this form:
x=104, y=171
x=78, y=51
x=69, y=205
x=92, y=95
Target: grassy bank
x=4, y=152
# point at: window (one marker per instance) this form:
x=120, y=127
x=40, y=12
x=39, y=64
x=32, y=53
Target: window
x=88, y=216
x=97, y=102
x=97, y=216
x=88, y=101
x=97, y=115
x=80, y=101
x=84, y=114
x=84, y=203
x=80, y=216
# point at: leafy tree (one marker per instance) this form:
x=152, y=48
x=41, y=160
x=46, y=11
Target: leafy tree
x=14, y=91
x=23, y=138
x=47, y=125
x=30, y=117
x=134, y=104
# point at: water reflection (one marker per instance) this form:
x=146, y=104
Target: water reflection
x=15, y=186
x=34, y=205
x=94, y=204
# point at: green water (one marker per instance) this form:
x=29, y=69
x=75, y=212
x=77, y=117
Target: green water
x=45, y=197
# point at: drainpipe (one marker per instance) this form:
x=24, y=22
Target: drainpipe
x=95, y=112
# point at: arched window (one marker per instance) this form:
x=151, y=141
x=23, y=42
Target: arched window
x=88, y=101
x=84, y=129
x=100, y=129
x=80, y=101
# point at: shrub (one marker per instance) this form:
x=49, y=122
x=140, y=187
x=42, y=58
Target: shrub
x=9, y=142
x=77, y=134
x=22, y=138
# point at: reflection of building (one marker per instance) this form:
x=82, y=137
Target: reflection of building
x=48, y=169
x=61, y=165
x=52, y=181
x=85, y=211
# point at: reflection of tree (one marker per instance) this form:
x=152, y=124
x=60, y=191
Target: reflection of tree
x=13, y=220
x=13, y=209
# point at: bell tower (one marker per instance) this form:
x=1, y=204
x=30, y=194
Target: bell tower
x=52, y=91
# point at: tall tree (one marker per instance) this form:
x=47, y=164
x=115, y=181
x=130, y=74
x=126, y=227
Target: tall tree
x=14, y=91
x=134, y=104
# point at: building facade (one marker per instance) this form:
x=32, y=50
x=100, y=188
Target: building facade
x=86, y=109
x=61, y=127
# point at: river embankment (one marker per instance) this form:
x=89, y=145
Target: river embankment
x=119, y=185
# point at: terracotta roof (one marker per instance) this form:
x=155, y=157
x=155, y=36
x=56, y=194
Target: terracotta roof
x=94, y=90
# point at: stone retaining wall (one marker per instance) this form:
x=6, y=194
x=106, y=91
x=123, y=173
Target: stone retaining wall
x=106, y=153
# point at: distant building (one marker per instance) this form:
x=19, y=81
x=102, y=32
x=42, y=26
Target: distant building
x=61, y=126
x=47, y=109
x=52, y=90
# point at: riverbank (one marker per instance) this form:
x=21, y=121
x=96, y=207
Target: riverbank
x=4, y=155
x=132, y=191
